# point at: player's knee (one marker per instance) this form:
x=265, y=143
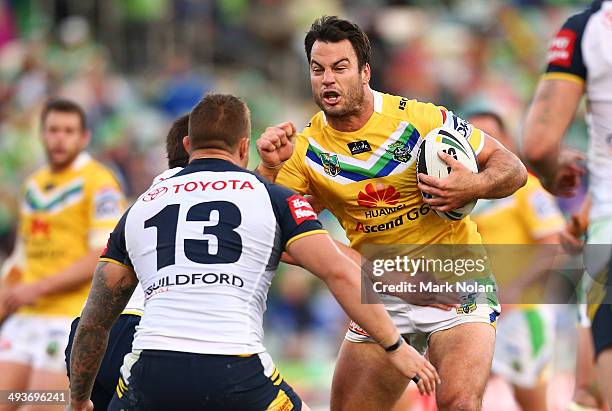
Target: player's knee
x=459, y=401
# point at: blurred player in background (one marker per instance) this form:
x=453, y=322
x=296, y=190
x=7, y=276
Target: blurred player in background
x=122, y=333
x=525, y=333
x=68, y=208
x=580, y=62
x=200, y=341
x=357, y=158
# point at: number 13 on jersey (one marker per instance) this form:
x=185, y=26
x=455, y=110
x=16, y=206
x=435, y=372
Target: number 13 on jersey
x=219, y=243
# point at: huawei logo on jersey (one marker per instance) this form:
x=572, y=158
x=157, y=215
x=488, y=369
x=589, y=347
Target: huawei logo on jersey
x=561, y=49
x=39, y=227
x=155, y=193
x=382, y=196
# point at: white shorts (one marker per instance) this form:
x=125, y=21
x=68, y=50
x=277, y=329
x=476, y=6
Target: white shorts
x=524, y=345
x=36, y=341
x=417, y=323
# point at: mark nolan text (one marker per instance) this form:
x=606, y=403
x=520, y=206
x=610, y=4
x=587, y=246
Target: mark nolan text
x=433, y=287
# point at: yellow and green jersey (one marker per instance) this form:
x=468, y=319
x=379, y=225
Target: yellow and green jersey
x=367, y=178
x=63, y=216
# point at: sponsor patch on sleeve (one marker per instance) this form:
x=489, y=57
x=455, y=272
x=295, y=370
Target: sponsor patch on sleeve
x=562, y=49
x=301, y=210
x=107, y=203
x=458, y=124
x=106, y=247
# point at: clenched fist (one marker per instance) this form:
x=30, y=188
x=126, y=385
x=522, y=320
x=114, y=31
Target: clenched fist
x=275, y=145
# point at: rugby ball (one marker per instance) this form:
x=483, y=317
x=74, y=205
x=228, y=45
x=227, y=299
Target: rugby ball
x=428, y=162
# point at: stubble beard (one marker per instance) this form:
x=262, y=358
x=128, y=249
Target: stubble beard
x=351, y=105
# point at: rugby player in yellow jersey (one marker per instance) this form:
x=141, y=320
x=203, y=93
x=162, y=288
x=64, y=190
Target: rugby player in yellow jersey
x=525, y=333
x=68, y=209
x=357, y=157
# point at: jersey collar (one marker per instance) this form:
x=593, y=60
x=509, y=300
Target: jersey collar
x=378, y=101
x=209, y=164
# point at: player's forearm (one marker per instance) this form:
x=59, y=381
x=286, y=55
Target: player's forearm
x=502, y=175
x=111, y=289
x=542, y=137
x=345, y=285
x=543, y=158
x=550, y=114
x=77, y=274
x=267, y=173
x=384, y=280
x=89, y=346
x=346, y=250
x=319, y=254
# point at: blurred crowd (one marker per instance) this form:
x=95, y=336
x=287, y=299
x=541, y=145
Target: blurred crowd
x=135, y=65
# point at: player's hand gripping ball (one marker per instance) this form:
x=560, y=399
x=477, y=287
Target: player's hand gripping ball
x=428, y=162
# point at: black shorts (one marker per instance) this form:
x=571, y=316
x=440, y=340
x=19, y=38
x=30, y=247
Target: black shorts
x=601, y=328
x=169, y=380
x=119, y=344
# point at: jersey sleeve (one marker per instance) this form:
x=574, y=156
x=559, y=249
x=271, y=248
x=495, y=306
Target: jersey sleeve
x=293, y=175
x=116, y=249
x=564, y=57
x=540, y=212
x=475, y=137
x=294, y=215
x=105, y=205
x=428, y=116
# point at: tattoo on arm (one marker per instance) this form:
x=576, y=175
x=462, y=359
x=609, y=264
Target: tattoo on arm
x=542, y=99
x=111, y=289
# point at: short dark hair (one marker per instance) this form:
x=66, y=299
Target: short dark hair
x=332, y=29
x=177, y=156
x=63, y=106
x=491, y=114
x=219, y=121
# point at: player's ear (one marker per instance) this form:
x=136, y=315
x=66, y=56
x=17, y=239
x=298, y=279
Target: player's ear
x=243, y=149
x=366, y=73
x=186, y=144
